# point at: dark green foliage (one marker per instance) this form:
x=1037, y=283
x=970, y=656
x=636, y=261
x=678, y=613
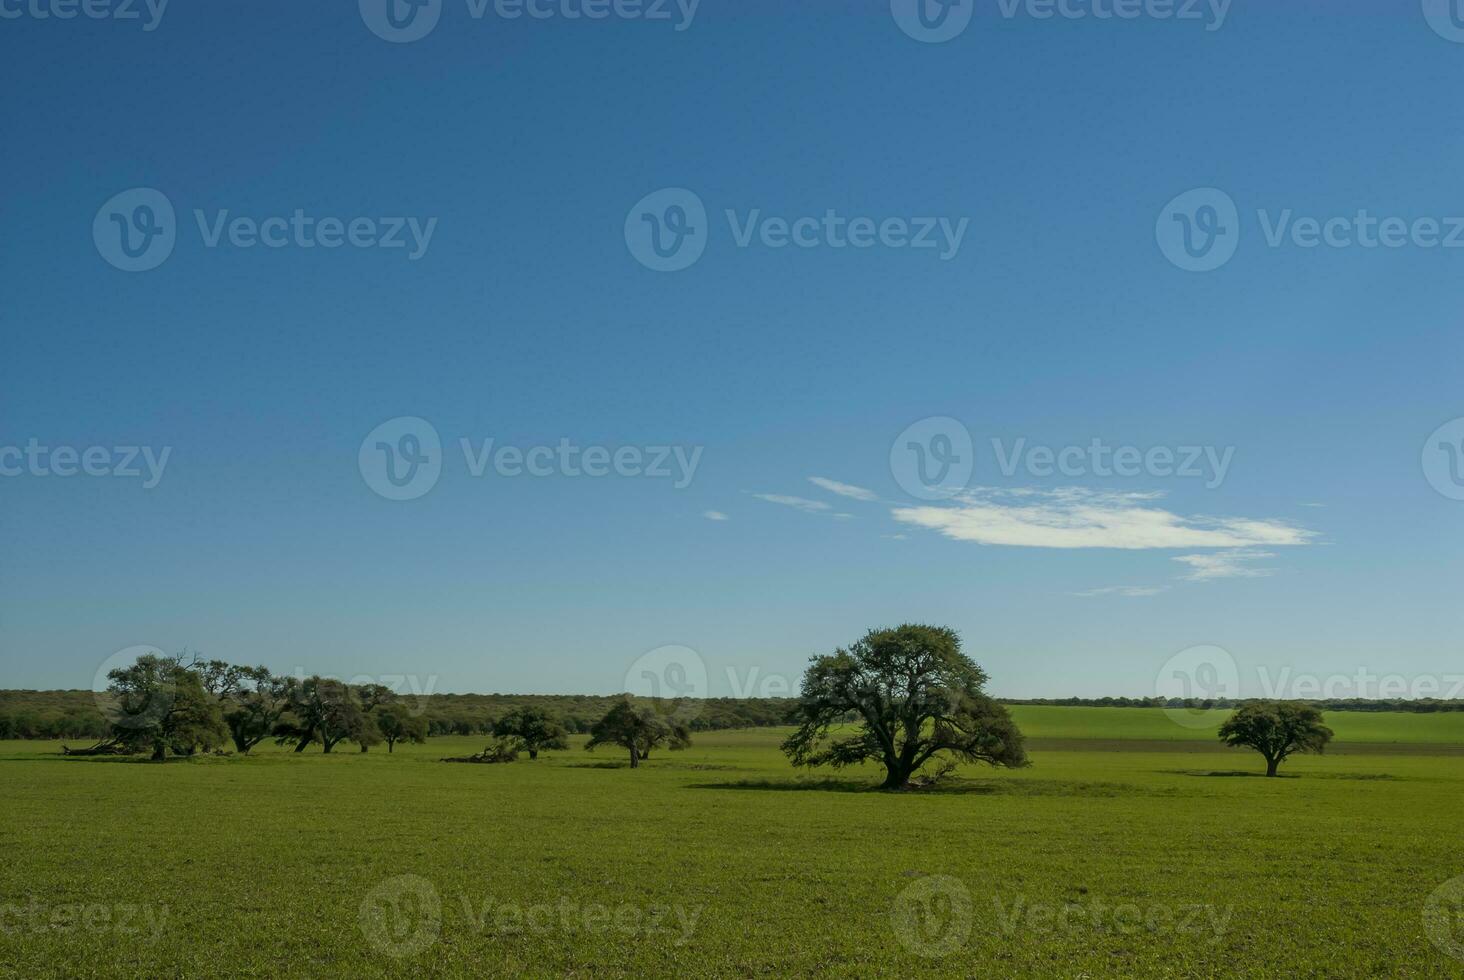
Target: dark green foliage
x=398, y=723
x=74, y=714
x=500, y=750
x=323, y=710
x=1277, y=730
x=255, y=706
x=159, y=704
x=534, y=728
x=638, y=728
x=914, y=695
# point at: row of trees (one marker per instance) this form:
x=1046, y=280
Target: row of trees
x=162, y=704
x=1416, y=706
x=54, y=715
x=168, y=704
x=903, y=697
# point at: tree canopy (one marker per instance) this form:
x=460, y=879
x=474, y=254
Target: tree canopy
x=534, y=728
x=913, y=695
x=638, y=728
x=1277, y=730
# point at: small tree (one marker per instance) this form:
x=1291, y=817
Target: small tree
x=322, y=710
x=638, y=730
x=255, y=707
x=913, y=694
x=372, y=698
x=397, y=723
x=535, y=729
x=1276, y=729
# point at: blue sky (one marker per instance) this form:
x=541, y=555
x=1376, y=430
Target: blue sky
x=529, y=319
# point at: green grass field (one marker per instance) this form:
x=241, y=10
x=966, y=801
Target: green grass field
x=1118, y=860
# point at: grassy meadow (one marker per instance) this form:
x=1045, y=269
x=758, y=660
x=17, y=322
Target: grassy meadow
x=1132, y=846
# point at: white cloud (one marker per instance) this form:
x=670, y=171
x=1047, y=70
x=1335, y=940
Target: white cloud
x=843, y=489
x=1225, y=564
x=1076, y=517
x=896, y=537
x=798, y=503
x=1125, y=590
x=714, y=515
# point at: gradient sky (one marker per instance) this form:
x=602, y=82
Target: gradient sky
x=528, y=320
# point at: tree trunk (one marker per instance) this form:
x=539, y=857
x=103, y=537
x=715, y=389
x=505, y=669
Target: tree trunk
x=533, y=753
x=158, y=752
x=1271, y=765
x=303, y=742
x=634, y=758
x=364, y=747
x=898, y=775
x=390, y=746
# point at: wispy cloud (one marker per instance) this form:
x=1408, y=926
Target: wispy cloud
x=843, y=489
x=714, y=515
x=1076, y=517
x=798, y=503
x=1226, y=564
x=1132, y=591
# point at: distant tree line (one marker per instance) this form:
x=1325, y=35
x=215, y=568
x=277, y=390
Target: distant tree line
x=331, y=712
x=1420, y=705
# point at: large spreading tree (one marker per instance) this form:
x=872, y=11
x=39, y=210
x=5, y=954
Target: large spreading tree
x=1277, y=730
x=157, y=704
x=910, y=695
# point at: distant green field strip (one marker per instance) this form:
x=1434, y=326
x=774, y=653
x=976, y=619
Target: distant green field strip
x=1155, y=724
